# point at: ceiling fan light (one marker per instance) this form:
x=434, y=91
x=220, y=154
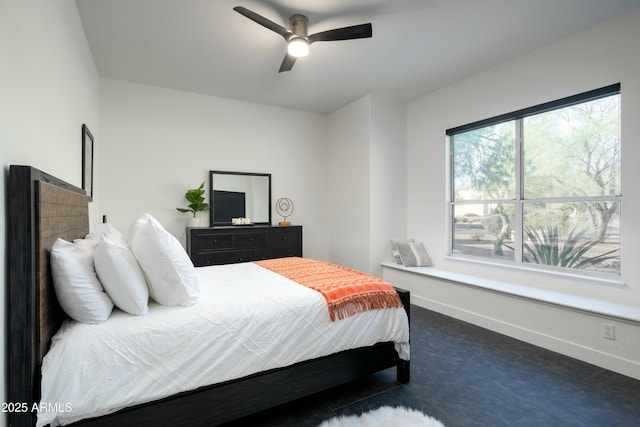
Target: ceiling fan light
x=298, y=47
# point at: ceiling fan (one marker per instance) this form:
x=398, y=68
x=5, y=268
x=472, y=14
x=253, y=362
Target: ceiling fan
x=296, y=36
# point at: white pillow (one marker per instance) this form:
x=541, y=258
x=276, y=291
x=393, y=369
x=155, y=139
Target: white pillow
x=115, y=236
x=396, y=252
x=167, y=267
x=90, y=241
x=414, y=254
x=77, y=287
x=121, y=275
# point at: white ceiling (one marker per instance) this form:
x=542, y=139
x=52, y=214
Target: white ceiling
x=417, y=46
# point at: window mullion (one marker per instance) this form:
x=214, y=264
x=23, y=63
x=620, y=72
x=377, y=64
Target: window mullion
x=450, y=228
x=518, y=209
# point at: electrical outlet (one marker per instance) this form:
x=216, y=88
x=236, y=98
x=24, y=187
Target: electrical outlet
x=608, y=331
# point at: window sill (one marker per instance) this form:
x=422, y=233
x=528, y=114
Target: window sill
x=626, y=312
x=608, y=280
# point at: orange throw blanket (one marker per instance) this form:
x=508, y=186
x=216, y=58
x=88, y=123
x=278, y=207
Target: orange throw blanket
x=347, y=291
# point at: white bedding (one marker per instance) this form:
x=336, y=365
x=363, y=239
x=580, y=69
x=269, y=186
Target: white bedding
x=248, y=320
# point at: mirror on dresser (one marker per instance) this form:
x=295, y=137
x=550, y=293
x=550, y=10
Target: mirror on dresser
x=239, y=195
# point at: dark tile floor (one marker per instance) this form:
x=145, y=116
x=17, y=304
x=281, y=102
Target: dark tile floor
x=464, y=375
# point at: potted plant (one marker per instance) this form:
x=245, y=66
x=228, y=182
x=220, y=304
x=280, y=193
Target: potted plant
x=196, y=204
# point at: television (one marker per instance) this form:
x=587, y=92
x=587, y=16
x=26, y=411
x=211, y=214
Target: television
x=229, y=204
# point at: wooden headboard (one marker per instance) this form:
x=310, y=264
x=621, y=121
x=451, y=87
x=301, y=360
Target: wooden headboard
x=41, y=209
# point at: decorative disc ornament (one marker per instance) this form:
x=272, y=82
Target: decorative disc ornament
x=284, y=208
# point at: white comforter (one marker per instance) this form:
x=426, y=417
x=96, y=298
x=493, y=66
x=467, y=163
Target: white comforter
x=248, y=320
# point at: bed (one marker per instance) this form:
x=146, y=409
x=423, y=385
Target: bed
x=43, y=208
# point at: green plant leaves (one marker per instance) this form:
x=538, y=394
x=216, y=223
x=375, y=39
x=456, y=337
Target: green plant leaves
x=544, y=248
x=195, y=197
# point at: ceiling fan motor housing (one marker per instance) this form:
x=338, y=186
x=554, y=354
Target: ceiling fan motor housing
x=299, y=25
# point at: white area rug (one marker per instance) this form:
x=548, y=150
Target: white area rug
x=385, y=416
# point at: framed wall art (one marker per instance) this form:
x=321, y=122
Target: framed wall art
x=87, y=161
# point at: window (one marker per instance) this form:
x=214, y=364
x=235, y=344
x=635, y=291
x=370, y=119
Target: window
x=541, y=186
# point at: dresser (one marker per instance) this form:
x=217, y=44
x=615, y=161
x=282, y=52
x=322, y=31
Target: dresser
x=232, y=244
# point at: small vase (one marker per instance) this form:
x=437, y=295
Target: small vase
x=193, y=222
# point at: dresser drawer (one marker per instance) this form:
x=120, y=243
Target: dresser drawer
x=204, y=241
x=250, y=240
x=270, y=253
x=202, y=259
x=284, y=238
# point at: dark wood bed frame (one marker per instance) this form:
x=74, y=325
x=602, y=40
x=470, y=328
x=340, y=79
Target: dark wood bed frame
x=43, y=208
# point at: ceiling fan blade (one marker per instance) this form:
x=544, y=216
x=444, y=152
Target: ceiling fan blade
x=361, y=31
x=287, y=63
x=284, y=32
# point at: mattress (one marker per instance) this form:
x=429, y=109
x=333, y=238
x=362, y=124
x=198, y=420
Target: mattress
x=248, y=320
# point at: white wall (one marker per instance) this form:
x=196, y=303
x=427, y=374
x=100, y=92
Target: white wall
x=367, y=167
x=388, y=196
x=348, y=184
x=597, y=57
x=48, y=89
x=156, y=143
